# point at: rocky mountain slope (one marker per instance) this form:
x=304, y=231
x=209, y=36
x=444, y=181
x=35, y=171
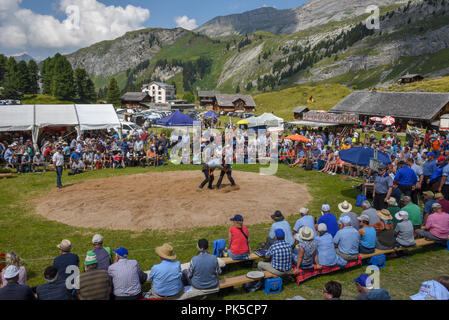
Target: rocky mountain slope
x=311, y=14
x=413, y=37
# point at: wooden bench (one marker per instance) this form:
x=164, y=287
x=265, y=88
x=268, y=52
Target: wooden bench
x=252, y=257
x=418, y=243
x=240, y=280
x=5, y=175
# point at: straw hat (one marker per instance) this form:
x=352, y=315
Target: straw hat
x=65, y=245
x=306, y=233
x=345, y=206
x=166, y=252
x=384, y=214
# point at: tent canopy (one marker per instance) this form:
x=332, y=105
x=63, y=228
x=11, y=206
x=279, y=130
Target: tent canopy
x=177, y=119
x=17, y=118
x=210, y=115
x=267, y=119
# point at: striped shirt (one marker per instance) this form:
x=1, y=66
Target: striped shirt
x=125, y=278
x=95, y=285
x=281, y=253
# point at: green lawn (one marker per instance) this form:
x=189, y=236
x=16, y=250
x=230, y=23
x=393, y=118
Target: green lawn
x=42, y=99
x=35, y=238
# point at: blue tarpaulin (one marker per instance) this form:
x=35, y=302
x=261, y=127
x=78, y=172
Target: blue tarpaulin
x=210, y=115
x=177, y=119
x=361, y=156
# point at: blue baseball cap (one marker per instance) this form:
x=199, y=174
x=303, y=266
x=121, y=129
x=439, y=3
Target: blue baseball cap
x=237, y=217
x=122, y=252
x=431, y=154
x=431, y=290
x=279, y=233
x=365, y=281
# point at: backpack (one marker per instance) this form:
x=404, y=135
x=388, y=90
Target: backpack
x=360, y=199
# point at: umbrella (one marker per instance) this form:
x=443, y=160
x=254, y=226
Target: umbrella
x=242, y=122
x=297, y=137
x=375, y=119
x=388, y=121
x=361, y=156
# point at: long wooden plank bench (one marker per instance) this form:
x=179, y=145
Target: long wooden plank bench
x=5, y=175
x=252, y=257
x=240, y=280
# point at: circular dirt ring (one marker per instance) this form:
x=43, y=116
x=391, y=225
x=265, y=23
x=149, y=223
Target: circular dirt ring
x=170, y=201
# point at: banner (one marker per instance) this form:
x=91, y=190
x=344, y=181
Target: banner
x=345, y=118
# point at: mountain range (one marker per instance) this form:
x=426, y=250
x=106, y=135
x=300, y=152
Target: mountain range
x=322, y=41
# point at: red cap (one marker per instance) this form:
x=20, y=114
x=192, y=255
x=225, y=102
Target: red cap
x=441, y=159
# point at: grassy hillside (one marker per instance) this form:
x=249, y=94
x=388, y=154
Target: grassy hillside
x=284, y=101
x=429, y=85
x=42, y=99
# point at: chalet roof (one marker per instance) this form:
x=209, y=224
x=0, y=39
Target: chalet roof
x=410, y=76
x=208, y=93
x=408, y=105
x=227, y=100
x=300, y=109
x=135, y=96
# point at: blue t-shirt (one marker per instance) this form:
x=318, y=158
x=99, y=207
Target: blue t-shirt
x=330, y=221
x=63, y=261
x=166, y=278
x=306, y=221
x=348, y=240
x=285, y=226
x=75, y=155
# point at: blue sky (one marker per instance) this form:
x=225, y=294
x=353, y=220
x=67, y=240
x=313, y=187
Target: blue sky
x=39, y=31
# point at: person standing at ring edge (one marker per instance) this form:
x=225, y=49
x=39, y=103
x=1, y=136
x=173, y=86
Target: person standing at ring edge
x=58, y=164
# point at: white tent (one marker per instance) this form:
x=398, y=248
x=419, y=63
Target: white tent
x=34, y=117
x=267, y=119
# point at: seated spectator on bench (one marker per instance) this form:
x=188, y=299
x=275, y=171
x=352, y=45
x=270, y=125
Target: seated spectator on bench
x=347, y=240
x=118, y=161
x=404, y=232
x=166, y=276
x=370, y=212
x=431, y=290
x=54, y=288
x=281, y=256
x=384, y=231
x=443, y=202
x=204, y=269
x=429, y=201
x=281, y=223
x=414, y=212
x=346, y=210
x=13, y=259
x=306, y=220
x=38, y=160
x=326, y=254
x=332, y=290
x=25, y=165
x=393, y=208
x=13, y=290
x=305, y=252
x=365, y=287
x=368, y=236
x=126, y=276
x=65, y=259
x=94, y=283
x=152, y=156
x=107, y=160
x=103, y=254
x=437, y=225
x=238, y=239
x=329, y=219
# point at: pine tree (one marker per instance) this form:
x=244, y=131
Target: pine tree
x=33, y=73
x=47, y=75
x=62, y=86
x=23, y=77
x=10, y=83
x=113, y=96
x=91, y=94
x=81, y=85
x=237, y=90
x=3, y=62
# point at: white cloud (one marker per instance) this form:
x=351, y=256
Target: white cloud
x=24, y=29
x=186, y=23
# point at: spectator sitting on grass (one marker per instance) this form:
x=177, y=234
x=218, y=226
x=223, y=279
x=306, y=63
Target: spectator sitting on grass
x=204, y=269
x=332, y=290
x=304, y=254
x=94, y=284
x=281, y=256
x=54, y=288
x=166, y=276
x=306, y=220
x=13, y=290
x=13, y=259
x=365, y=287
x=329, y=219
x=326, y=255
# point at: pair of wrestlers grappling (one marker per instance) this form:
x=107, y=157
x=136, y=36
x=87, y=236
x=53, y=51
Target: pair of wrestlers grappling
x=208, y=170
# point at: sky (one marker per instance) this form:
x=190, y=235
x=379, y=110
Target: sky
x=42, y=28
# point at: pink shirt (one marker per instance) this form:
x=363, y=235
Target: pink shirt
x=438, y=225
x=22, y=276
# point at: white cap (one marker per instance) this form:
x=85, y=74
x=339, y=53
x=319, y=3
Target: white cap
x=304, y=211
x=98, y=238
x=325, y=208
x=345, y=220
x=11, y=272
x=322, y=227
